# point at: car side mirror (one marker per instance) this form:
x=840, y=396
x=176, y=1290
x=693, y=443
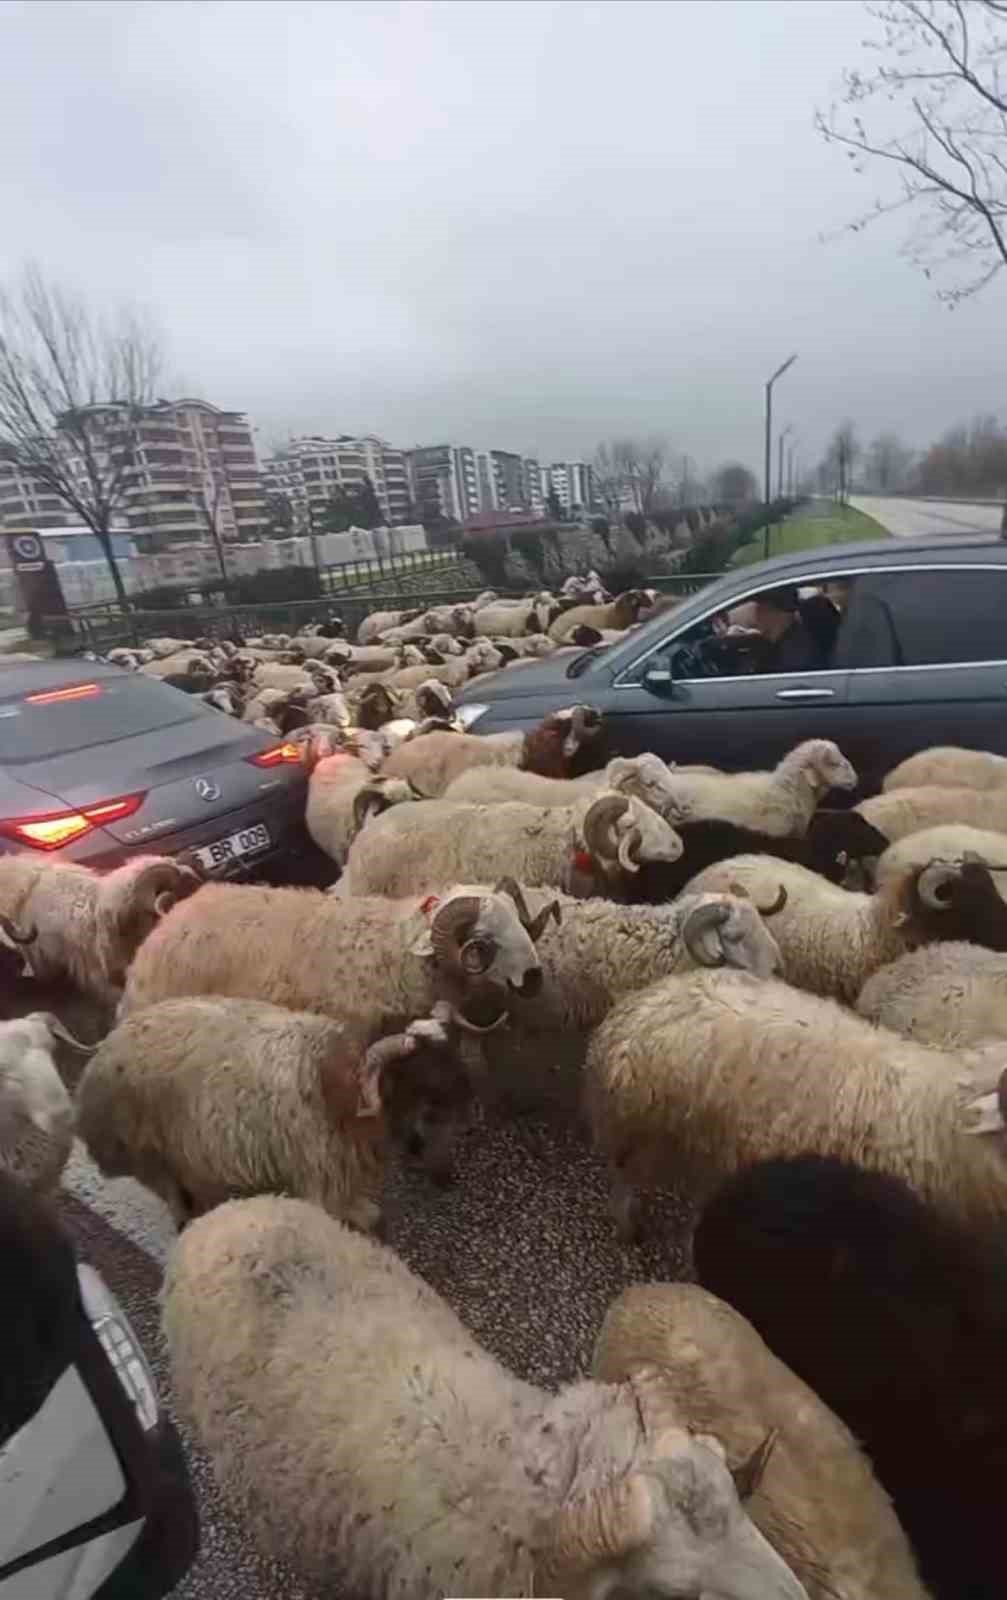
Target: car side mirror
x=659, y=679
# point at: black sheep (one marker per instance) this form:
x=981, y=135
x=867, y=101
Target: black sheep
x=898, y=1319
x=833, y=840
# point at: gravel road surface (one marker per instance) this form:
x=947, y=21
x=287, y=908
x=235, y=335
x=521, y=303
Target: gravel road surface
x=909, y=519
x=520, y=1245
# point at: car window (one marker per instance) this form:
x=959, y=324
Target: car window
x=57, y=721
x=793, y=630
x=916, y=619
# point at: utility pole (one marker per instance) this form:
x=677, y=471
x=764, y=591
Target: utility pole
x=769, y=444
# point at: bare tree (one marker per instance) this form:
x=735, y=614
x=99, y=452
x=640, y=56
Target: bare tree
x=629, y=469
x=888, y=462
x=73, y=389
x=837, y=468
x=734, y=481
x=945, y=69
x=208, y=495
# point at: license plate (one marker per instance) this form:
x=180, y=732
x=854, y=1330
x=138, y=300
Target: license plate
x=247, y=842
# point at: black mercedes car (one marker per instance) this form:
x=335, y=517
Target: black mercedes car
x=98, y=764
x=912, y=652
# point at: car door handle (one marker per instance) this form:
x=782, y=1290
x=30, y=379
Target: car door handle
x=805, y=694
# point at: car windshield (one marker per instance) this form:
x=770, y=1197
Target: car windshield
x=77, y=716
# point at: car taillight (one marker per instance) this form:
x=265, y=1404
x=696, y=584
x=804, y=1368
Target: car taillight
x=53, y=829
x=280, y=755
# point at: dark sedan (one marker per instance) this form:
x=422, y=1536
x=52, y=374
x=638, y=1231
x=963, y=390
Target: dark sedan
x=903, y=644
x=98, y=764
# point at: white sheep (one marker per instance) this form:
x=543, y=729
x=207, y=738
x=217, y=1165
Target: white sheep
x=646, y=778
x=831, y=939
x=703, y=1074
x=36, y=1113
x=502, y=621
x=372, y=1443
x=343, y=792
x=818, y=1502
x=952, y=995
x=601, y=840
x=378, y=621
x=903, y=811
x=374, y=964
x=205, y=1100
x=779, y=802
x=73, y=922
x=548, y=748
x=948, y=767
x=619, y=614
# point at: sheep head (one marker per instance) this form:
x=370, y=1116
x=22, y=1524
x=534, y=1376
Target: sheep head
x=433, y=698
x=727, y=931
x=419, y=1081
x=132, y=900
x=376, y=705
x=672, y=1524
x=620, y=833
x=651, y=781
x=580, y=724
x=478, y=939
x=823, y=766
x=377, y=796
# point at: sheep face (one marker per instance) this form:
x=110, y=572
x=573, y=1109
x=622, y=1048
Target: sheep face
x=576, y=726
x=825, y=766
x=428, y=1104
x=620, y=833
x=433, y=698
x=485, y=940
x=650, y=780
x=132, y=900
x=727, y=931
x=673, y=1527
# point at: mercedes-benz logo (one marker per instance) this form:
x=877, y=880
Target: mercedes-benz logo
x=28, y=547
x=207, y=789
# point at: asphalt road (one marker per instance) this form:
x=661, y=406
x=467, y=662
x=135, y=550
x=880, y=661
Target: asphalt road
x=908, y=519
x=520, y=1245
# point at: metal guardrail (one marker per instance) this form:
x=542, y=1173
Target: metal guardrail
x=104, y=627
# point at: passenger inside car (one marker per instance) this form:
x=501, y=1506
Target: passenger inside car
x=787, y=644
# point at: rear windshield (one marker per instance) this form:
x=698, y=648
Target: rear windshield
x=76, y=716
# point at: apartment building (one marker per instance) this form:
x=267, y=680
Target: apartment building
x=572, y=482
x=534, y=486
x=310, y=469
x=189, y=468
x=446, y=482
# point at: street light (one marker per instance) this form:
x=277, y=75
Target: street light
x=779, y=458
x=769, y=443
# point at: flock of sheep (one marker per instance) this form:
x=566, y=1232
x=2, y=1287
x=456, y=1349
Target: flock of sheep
x=796, y=1016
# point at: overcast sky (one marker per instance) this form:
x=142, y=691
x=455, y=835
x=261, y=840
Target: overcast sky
x=516, y=224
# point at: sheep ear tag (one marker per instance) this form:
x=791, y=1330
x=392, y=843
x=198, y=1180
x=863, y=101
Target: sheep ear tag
x=423, y=945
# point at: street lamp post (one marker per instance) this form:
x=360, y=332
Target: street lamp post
x=769, y=443
x=779, y=458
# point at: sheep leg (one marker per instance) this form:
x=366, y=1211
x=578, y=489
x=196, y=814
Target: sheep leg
x=624, y=1206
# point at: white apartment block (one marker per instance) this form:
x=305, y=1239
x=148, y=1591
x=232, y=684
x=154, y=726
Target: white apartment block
x=572, y=482
x=193, y=469
x=446, y=482
x=310, y=469
x=534, y=486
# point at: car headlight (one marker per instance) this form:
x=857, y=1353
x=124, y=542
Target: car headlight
x=470, y=713
x=120, y=1343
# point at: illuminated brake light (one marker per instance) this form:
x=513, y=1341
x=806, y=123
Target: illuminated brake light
x=280, y=755
x=53, y=830
x=79, y=691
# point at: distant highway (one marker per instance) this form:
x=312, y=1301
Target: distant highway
x=907, y=519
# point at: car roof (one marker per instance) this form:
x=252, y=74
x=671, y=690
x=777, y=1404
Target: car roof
x=32, y=675
x=979, y=547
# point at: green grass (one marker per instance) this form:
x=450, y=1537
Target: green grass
x=840, y=525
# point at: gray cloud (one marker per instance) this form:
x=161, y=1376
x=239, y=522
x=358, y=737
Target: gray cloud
x=522, y=224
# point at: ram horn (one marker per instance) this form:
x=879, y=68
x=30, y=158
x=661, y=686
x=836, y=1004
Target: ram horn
x=698, y=934
x=937, y=876
x=462, y=1022
x=776, y=907
x=450, y=928
x=604, y=1526
x=159, y=887
x=533, y=926
x=14, y=934
x=58, y=1031
x=376, y=1059
x=748, y=1474
x=599, y=825
x=629, y=850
